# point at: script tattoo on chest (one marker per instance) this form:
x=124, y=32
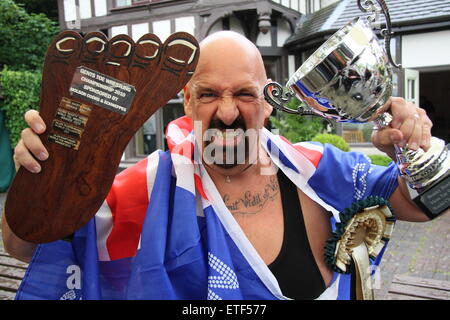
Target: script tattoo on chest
x=253, y=203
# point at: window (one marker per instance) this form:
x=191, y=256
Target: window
x=138, y=30
x=127, y=3
x=85, y=9
x=123, y=3
x=146, y=138
x=162, y=29
x=186, y=24
x=116, y=30
x=70, y=10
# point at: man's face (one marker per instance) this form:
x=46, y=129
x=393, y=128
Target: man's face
x=226, y=103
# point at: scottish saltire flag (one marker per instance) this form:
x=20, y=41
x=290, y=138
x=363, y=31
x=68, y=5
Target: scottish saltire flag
x=164, y=231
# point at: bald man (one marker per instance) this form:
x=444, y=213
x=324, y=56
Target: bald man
x=223, y=221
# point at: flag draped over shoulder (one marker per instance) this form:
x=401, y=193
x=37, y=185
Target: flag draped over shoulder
x=164, y=231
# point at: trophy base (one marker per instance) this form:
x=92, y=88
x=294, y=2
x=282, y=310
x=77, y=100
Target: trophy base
x=435, y=199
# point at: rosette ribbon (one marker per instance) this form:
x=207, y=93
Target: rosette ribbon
x=358, y=239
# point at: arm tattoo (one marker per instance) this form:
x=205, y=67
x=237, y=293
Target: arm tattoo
x=253, y=203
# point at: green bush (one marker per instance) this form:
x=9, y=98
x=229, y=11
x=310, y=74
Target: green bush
x=297, y=128
x=20, y=92
x=380, y=160
x=333, y=139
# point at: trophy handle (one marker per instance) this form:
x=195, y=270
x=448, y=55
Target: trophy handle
x=277, y=97
x=368, y=6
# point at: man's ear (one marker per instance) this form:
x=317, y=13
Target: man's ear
x=187, y=105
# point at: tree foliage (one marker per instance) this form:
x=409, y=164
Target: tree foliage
x=297, y=128
x=47, y=7
x=24, y=37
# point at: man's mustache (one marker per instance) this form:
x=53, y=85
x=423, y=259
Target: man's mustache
x=218, y=124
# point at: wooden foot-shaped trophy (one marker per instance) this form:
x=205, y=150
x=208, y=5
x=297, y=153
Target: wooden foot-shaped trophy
x=96, y=93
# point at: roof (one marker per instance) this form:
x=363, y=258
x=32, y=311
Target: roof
x=336, y=15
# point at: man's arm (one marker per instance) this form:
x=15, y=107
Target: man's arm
x=404, y=208
x=16, y=247
x=410, y=127
x=28, y=148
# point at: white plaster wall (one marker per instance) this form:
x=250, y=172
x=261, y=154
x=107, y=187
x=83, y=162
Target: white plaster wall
x=264, y=40
x=283, y=32
x=236, y=26
x=426, y=49
x=327, y=2
x=101, y=8
x=217, y=26
x=291, y=65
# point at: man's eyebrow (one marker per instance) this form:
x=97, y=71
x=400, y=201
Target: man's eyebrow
x=248, y=88
x=204, y=88
x=200, y=87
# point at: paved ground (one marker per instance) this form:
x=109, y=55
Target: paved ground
x=416, y=249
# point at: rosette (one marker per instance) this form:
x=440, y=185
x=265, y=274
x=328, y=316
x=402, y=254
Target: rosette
x=361, y=235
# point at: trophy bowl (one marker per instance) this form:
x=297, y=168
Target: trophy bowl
x=348, y=79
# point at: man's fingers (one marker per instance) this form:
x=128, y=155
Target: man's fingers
x=412, y=132
x=34, y=120
x=387, y=137
x=25, y=159
x=399, y=110
x=412, y=122
x=426, y=129
x=34, y=144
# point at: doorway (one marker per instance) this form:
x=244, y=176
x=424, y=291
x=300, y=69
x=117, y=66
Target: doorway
x=435, y=99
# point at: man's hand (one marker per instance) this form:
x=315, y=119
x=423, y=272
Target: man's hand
x=31, y=145
x=410, y=127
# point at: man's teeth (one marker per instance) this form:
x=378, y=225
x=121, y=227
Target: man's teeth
x=228, y=134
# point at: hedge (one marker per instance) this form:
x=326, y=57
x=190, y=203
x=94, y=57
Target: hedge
x=20, y=92
x=333, y=139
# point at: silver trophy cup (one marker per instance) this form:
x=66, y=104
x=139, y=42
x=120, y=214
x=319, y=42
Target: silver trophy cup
x=349, y=79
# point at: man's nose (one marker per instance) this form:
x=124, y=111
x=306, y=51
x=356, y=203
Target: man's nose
x=227, y=110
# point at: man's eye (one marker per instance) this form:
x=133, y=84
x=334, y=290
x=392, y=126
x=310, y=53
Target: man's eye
x=206, y=97
x=246, y=96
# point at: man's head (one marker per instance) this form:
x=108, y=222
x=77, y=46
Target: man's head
x=225, y=95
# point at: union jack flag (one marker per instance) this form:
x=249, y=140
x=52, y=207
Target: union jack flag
x=164, y=232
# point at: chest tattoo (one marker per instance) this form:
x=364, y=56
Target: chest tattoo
x=253, y=203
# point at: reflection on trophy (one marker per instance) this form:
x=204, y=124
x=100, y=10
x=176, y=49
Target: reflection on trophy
x=349, y=79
